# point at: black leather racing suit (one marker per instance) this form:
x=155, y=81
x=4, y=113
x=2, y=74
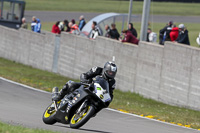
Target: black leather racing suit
x=87, y=77
x=93, y=73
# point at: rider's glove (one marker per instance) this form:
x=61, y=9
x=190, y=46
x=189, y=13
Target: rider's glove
x=55, y=94
x=84, y=79
x=55, y=97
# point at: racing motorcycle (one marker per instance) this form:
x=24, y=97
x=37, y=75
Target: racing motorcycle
x=80, y=105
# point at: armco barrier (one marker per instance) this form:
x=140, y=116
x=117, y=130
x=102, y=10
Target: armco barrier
x=167, y=73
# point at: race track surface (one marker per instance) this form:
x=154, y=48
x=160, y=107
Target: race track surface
x=53, y=16
x=24, y=106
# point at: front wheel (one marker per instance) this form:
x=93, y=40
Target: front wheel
x=48, y=115
x=79, y=119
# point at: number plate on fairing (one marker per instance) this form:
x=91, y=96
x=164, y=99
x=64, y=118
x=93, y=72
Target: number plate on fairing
x=101, y=93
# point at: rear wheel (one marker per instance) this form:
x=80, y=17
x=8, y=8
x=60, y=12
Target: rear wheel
x=48, y=115
x=79, y=119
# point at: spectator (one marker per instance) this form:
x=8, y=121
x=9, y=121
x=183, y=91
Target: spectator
x=151, y=36
x=73, y=21
x=164, y=33
x=74, y=28
x=61, y=26
x=95, y=30
x=183, y=35
x=129, y=37
x=55, y=28
x=107, y=28
x=81, y=22
x=198, y=40
x=37, y=27
x=33, y=23
x=174, y=33
x=114, y=33
x=24, y=24
x=132, y=29
x=66, y=22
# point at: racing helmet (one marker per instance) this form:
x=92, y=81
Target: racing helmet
x=109, y=70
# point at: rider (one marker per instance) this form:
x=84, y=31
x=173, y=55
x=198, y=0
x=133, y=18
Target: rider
x=108, y=72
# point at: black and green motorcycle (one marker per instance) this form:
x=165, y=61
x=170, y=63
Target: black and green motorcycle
x=79, y=106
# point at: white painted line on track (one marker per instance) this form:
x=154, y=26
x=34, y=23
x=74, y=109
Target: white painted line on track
x=35, y=89
x=150, y=119
x=26, y=86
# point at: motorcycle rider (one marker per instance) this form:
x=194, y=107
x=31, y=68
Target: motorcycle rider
x=108, y=72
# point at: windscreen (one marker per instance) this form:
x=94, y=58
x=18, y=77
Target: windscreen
x=103, y=83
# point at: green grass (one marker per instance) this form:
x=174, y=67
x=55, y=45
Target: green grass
x=134, y=103
x=29, y=76
x=161, y=8
x=128, y=101
x=7, y=128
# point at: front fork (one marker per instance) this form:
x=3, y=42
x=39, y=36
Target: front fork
x=56, y=105
x=83, y=105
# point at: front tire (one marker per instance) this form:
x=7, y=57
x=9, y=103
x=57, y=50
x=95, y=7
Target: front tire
x=48, y=117
x=81, y=120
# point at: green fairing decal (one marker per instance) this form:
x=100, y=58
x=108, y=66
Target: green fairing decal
x=98, y=88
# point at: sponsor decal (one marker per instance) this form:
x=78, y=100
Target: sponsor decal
x=98, y=88
x=69, y=102
x=101, y=96
x=78, y=95
x=68, y=107
x=75, y=98
x=66, y=118
x=113, y=68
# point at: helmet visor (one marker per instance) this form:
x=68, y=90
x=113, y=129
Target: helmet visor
x=110, y=73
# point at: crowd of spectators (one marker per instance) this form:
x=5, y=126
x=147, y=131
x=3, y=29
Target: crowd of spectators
x=113, y=32
x=169, y=33
x=70, y=27
x=36, y=25
x=175, y=34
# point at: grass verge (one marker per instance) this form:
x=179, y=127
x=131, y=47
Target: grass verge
x=119, y=6
x=7, y=128
x=123, y=101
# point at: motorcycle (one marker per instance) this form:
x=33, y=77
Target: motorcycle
x=80, y=105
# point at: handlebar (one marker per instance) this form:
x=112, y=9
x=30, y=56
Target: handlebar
x=85, y=84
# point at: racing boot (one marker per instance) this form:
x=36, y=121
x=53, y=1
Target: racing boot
x=70, y=86
x=57, y=96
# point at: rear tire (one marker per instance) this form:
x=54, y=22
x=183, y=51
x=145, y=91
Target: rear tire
x=48, y=117
x=83, y=119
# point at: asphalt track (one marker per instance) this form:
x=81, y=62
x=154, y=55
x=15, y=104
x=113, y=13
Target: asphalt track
x=23, y=105
x=53, y=16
